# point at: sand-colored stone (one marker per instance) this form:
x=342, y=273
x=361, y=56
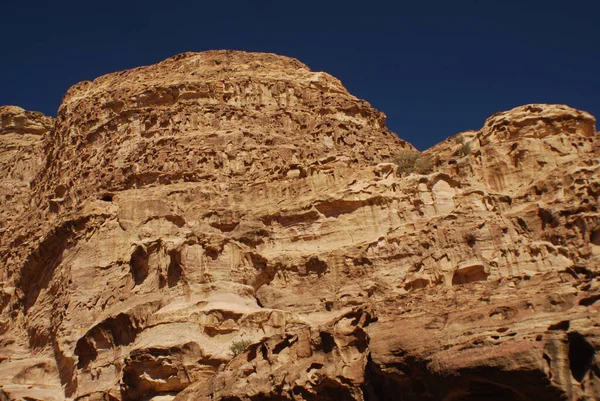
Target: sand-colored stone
x=20, y=158
x=224, y=196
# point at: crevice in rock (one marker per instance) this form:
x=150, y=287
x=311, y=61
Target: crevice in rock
x=291, y=218
x=549, y=362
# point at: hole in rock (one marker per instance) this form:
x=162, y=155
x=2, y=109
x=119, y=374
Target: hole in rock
x=595, y=237
x=564, y=326
x=60, y=191
x=174, y=271
x=316, y=265
x=581, y=356
x=212, y=253
x=258, y=261
x=251, y=354
x=139, y=265
x=547, y=218
x=314, y=366
x=302, y=392
x=588, y=301
x=114, y=331
x=106, y=197
x=282, y=345
x=327, y=342
x=85, y=353
x=416, y=284
x=470, y=274
x=362, y=261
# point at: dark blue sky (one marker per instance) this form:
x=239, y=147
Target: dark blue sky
x=434, y=67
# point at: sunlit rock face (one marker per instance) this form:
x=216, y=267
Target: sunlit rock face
x=20, y=158
x=231, y=226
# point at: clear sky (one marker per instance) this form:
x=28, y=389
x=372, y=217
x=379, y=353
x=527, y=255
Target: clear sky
x=434, y=67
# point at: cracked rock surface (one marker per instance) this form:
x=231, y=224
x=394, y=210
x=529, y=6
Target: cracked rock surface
x=232, y=226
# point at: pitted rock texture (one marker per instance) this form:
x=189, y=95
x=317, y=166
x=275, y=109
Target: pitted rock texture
x=226, y=197
x=20, y=158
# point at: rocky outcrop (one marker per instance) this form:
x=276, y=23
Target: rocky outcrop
x=186, y=209
x=20, y=158
x=318, y=361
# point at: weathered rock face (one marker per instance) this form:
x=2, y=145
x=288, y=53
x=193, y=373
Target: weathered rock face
x=20, y=138
x=221, y=197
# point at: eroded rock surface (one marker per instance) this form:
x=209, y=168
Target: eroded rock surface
x=225, y=197
x=20, y=158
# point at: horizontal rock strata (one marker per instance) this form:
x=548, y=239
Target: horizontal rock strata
x=232, y=226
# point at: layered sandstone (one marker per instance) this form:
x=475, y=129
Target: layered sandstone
x=20, y=139
x=226, y=196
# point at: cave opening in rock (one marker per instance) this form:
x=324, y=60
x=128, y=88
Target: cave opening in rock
x=581, y=356
x=470, y=274
x=107, y=197
x=327, y=342
x=85, y=353
x=174, y=271
x=139, y=265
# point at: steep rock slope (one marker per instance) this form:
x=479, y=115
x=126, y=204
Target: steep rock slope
x=226, y=196
x=20, y=138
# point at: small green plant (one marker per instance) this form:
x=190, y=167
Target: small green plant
x=465, y=148
x=237, y=347
x=412, y=161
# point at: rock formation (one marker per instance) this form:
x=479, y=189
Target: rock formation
x=20, y=137
x=232, y=226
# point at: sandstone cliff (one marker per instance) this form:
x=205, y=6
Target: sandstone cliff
x=20, y=137
x=174, y=213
